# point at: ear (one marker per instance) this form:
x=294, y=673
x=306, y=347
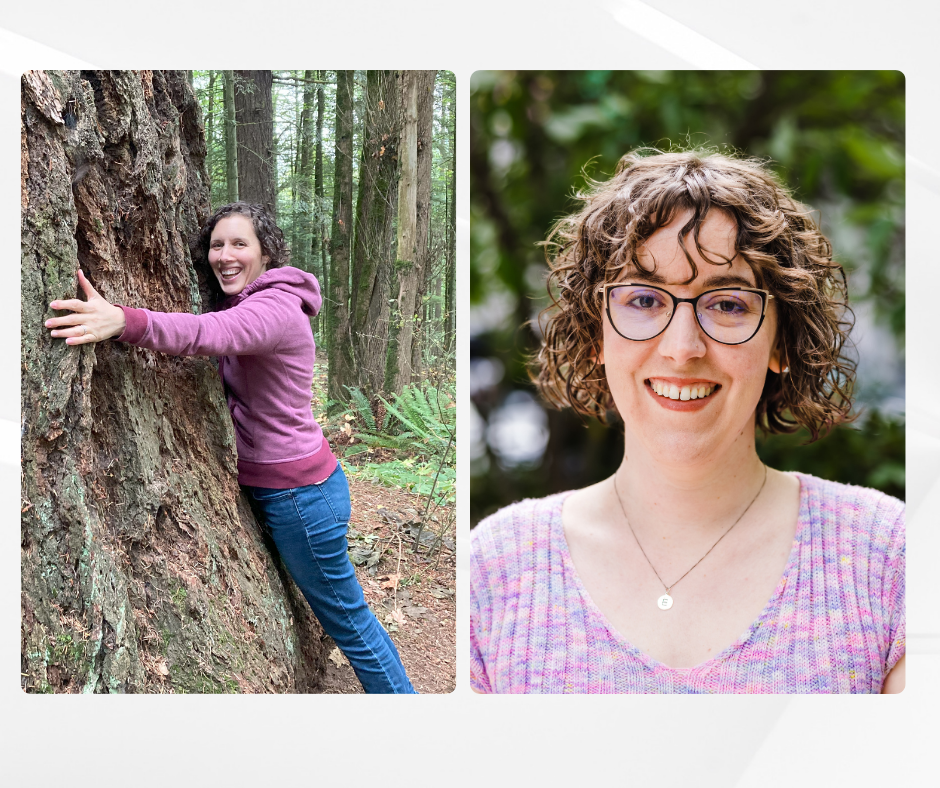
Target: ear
x=776, y=363
x=265, y=260
x=599, y=355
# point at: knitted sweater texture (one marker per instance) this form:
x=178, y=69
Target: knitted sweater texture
x=266, y=350
x=835, y=623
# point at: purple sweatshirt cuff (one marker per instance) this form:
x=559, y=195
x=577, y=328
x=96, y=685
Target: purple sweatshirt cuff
x=136, y=324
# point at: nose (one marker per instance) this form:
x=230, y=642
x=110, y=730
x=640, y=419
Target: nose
x=684, y=339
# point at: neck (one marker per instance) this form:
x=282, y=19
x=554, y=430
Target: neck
x=682, y=497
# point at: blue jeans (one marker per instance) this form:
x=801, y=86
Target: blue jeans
x=308, y=526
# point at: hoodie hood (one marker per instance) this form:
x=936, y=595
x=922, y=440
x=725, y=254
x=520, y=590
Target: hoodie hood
x=289, y=279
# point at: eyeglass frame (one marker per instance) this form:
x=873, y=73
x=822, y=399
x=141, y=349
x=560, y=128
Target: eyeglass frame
x=765, y=297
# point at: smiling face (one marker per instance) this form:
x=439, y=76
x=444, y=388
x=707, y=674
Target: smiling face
x=684, y=397
x=235, y=253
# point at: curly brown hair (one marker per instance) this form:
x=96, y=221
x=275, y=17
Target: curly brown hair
x=269, y=234
x=776, y=236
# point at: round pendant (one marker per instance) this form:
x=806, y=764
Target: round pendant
x=664, y=602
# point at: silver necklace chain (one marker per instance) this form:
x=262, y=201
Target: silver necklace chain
x=665, y=601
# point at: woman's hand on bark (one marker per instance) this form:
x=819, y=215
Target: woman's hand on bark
x=92, y=320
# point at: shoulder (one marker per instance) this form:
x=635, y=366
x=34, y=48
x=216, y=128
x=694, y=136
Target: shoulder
x=283, y=288
x=860, y=513
x=513, y=527
x=507, y=542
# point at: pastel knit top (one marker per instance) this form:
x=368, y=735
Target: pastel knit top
x=266, y=350
x=834, y=624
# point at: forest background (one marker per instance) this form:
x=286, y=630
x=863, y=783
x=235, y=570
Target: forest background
x=142, y=566
x=836, y=138
x=320, y=150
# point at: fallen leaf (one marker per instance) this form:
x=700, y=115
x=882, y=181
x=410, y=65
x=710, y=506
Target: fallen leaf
x=161, y=668
x=392, y=581
x=338, y=658
x=398, y=617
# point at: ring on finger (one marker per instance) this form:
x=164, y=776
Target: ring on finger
x=84, y=330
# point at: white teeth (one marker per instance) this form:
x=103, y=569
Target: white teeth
x=685, y=393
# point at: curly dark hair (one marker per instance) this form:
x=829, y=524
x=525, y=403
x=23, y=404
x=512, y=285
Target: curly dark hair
x=269, y=234
x=776, y=236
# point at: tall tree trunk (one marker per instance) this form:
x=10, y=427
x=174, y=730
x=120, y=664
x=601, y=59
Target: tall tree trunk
x=143, y=569
x=406, y=264
x=318, y=245
x=414, y=217
x=450, y=278
x=423, y=231
x=210, y=128
x=303, y=222
x=254, y=114
x=375, y=223
x=231, y=143
x=341, y=346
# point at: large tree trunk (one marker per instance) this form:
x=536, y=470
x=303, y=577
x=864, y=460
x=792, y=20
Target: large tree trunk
x=254, y=113
x=341, y=346
x=143, y=569
x=375, y=224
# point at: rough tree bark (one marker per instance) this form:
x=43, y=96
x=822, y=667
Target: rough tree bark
x=375, y=224
x=143, y=569
x=254, y=113
x=341, y=346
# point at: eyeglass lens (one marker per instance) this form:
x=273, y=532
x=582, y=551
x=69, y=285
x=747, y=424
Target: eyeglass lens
x=728, y=316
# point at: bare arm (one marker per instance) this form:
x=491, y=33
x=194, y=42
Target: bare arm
x=894, y=681
x=92, y=320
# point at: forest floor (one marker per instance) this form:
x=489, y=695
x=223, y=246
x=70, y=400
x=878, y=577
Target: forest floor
x=412, y=594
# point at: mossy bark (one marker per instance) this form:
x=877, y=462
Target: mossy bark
x=143, y=569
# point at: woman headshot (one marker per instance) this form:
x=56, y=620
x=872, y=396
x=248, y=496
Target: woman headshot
x=695, y=303
x=261, y=332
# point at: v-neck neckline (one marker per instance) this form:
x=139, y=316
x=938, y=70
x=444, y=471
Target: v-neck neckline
x=651, y=663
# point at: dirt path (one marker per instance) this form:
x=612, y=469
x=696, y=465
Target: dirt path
x=412, y=595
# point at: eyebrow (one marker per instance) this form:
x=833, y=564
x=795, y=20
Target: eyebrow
x=717, y=280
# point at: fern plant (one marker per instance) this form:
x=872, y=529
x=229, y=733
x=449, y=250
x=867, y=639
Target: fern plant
x=420, y=423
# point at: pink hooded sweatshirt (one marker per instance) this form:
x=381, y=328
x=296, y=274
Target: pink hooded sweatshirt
x=267, y=350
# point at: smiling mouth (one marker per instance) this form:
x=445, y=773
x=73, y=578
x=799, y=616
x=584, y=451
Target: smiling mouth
x=229, y=273
x=683, y=393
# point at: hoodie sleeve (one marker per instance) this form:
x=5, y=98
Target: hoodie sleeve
x=253, y=327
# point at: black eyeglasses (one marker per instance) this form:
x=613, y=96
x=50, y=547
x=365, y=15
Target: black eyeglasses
x=729, y=315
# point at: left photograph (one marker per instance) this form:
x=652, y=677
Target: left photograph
x=238, y=382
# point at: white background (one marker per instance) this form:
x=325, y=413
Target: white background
x=460, y=738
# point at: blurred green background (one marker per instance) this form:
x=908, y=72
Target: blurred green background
x=836, y=138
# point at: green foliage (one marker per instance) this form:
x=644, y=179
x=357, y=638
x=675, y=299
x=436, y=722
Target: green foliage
x=420, y=423
x=870, y=454
x=421, y=478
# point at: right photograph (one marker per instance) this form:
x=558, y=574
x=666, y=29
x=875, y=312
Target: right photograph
x=687, y=382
